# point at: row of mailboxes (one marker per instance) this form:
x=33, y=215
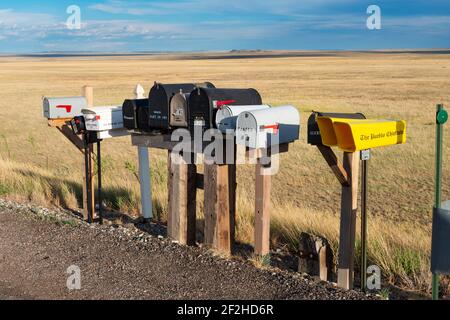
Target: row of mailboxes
x=106, y=122
x=184, y=105
x=165, y=108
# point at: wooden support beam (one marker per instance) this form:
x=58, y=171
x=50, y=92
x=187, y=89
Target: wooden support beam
x=335, y=165
x=181, y=222
x=262, y=209
x=218, y=212
x=349, y=207
x=61, y=125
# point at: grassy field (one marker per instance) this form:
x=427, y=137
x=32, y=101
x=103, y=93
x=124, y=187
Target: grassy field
x=38, y=164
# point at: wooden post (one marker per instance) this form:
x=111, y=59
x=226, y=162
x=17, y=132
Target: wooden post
x=182, y=189
x=218, y=216
x=262, y=209
x=349, y=207
x=88, y=184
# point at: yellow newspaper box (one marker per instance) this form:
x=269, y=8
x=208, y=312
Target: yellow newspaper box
x=326, y=127
x=354, y=135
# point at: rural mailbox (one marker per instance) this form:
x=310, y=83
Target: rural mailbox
x=263, y=128
x=135, y=114
x=355, y=135
x=159, y=101
x=78, y=125
x=205, y=102
x=63, y=108
x=226, y=117
x=314, y=137
x=106, y=121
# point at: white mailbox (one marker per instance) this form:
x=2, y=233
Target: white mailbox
x=63, y=108
x=264, y=128
x=226, y=117
x=107, y=121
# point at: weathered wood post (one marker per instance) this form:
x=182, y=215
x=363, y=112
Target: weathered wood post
x=349, y=207
x=182, y=190
x=220, y=190
x=262, y=208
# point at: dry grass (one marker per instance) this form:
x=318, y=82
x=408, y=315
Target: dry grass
x=39, y=165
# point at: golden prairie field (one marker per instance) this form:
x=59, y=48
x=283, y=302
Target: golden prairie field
x=38, y=164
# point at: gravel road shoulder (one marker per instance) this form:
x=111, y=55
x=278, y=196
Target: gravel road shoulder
x=37, y=245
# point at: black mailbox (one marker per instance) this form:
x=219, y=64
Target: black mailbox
x=78, y=125
x=135, y=114
x=159, y=102
x=314, y=137
x=204, y=103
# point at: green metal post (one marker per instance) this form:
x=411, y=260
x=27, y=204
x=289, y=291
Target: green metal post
x=441, y=119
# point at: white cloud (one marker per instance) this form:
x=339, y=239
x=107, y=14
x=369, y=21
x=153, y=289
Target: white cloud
x=14, y=18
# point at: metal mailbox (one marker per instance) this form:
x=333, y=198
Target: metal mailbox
x=103, y=118
x=264, y=128
x=63, y=108
x=227, y=116
x=159, y=101
x=357, y=135
x=314, y=137
x=135, y=114
x=204, y=103
x=78, y=125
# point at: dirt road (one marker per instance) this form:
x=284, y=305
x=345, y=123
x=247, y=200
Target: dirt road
x=37, y=246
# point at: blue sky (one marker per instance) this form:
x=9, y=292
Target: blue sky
x=198, y=25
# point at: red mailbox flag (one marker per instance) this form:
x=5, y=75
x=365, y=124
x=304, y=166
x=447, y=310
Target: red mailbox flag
x=67, y=107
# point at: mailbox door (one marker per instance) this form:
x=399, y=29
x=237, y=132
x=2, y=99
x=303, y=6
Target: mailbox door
x=247, y=133
x=179, y=109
